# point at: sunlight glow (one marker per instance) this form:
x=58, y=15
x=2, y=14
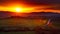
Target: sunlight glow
x=22, y=9
x=18, y=9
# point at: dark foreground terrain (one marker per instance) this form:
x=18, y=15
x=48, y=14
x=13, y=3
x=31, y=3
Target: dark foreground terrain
x=46, y=23
x=29, y=26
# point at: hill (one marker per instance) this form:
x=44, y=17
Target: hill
x=30, y=15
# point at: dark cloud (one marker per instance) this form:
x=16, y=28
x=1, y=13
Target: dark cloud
x=35, y=2
x=40, y=2
x=56, y=7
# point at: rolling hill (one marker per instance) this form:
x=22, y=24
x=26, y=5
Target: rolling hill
x=30, y=15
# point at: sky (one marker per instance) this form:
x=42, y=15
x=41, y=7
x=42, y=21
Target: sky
x=37, y=4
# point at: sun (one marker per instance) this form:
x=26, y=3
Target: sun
x=21, y=10
x=18, y=9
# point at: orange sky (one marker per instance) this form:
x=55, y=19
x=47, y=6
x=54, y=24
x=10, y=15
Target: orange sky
x=27, y=8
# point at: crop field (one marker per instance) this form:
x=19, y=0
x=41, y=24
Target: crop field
x=21, y=22
x=28, y=32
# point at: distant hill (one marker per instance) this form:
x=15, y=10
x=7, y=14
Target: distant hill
x=30, y=15
x=4, y=14
x=44, y=14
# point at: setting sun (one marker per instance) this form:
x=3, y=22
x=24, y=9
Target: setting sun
x=18, y=9
x=22, y=10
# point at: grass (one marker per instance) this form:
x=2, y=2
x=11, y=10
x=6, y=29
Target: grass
x=22, y=22
x=28, y=32
x=56, y=24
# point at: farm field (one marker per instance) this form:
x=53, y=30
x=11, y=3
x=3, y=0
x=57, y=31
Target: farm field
x=15, y=23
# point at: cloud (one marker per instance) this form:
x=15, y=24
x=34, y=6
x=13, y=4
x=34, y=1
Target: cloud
x=53, y=4
x=32, y=2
